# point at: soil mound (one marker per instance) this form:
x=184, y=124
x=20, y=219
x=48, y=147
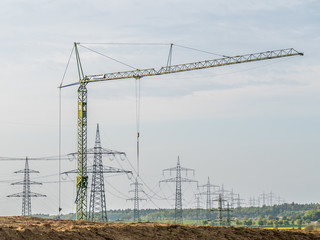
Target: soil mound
x=39, y=228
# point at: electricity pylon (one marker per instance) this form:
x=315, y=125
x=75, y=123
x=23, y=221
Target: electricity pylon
x=220, y=209
x=231, y=196
x=239, y=200
x=223, y=194
x=98, y=206
x=263, y=195
x=178, y=180
x=26, y=194
x=228, y=215
x=271, y=197
x=82, y=177
x=210, y=190
x=198, y=206
x=136, y=199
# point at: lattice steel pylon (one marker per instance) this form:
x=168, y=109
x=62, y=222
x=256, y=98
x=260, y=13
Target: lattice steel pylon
x=178, y=180
x=198, y=206
x=136, y=199
x=210, y=190
x=82, y=177
x=26, y=195
x=97, y=204
x=220, y=209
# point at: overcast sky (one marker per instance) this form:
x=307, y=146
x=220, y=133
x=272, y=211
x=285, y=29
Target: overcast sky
x=252, y=127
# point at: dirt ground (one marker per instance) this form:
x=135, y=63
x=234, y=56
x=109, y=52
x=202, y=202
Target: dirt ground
x=39, y=228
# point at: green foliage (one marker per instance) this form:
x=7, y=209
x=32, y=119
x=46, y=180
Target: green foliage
x=285, y=215
x=261, y=221
x=299, y=223
x=312, y=215
x=248, y=223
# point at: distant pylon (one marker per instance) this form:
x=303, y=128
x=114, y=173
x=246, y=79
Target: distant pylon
x=178, y=179
x=210, y=190
x=198, y=206
x=136, y=199
x=239, y=200
x=220, y=209
x=26, y=194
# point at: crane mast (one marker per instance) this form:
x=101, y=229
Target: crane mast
x=82, y=176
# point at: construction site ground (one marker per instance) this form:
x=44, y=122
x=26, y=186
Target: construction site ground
x=40, y=228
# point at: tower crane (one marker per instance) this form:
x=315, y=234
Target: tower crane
x=84, y=80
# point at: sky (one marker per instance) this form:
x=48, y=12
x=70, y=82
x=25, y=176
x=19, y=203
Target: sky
x=252, y=127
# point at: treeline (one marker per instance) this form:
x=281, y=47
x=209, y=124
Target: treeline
x=290, y=212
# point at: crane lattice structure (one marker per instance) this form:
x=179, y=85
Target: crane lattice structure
x=26, y=195
x=211, y=189
x=136, y=199
x=178, y=180
x=84, y=80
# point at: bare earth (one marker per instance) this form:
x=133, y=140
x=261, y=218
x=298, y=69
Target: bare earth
x=39, y=228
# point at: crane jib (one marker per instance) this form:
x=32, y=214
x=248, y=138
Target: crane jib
x=139, y=73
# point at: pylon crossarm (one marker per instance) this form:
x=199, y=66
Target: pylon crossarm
x=26, y=170
x=168, y=180
x=133, y=199
x=105, y=169
x=30, y=194
x=29, y=182
x=37, y=195
x=188, y=180
x=104, y=151
x=16, y=195
x=115, y=170
x=187, y=170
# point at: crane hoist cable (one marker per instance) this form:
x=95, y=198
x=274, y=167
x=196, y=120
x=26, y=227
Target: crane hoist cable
x=138, y=88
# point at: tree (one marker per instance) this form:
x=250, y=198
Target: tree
x=260, y=222
x=248, y=222
x=312, y=215
x=275, y=224
x=299, y=223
